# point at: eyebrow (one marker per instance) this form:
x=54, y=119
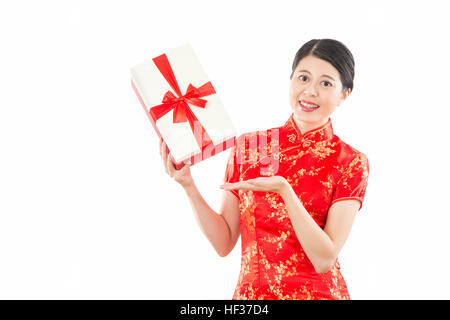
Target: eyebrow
x=324, y=75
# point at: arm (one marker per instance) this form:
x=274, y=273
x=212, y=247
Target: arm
x=321, y=246
x=221, y=229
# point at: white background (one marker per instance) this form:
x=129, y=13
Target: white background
x=86, y=210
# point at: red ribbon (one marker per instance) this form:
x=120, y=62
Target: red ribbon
x=179, y=102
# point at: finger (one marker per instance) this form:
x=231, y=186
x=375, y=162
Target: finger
x=251, y=185
x=228, y=186
x=164, y=157
x=162, y=150
x=170, y=167
x=185, y=168
x=160, y=146
x=187, y=164
x=261, y=182
x=256, y=180
x=163, y=147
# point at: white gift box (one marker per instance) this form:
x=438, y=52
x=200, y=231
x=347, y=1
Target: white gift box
x=150, y=81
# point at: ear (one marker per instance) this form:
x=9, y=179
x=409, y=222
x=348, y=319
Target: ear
x=344, y=96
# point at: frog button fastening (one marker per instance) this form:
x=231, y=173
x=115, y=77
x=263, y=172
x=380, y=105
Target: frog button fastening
x=306, y=143
x=292, y=137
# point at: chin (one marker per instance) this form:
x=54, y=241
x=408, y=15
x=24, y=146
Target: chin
x=304, y=115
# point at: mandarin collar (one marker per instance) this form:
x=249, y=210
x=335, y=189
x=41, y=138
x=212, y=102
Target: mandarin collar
x=294, y=136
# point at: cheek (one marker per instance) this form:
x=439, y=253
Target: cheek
x=294, y=91
x=291, y=93
x=291, y=88
x=330, y=100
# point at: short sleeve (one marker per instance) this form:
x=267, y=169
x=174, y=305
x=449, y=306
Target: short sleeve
x=232, y=172
x=353, y=182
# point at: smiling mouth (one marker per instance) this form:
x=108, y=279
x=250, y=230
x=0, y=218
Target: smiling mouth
x=308, y=105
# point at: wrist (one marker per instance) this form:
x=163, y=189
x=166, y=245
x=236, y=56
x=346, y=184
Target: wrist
x=188, y=185
x=285, y=189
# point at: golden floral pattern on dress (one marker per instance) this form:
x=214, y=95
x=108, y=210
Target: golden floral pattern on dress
x=291, y=137
x=322, y=169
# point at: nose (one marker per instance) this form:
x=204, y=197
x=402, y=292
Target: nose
x=310, y=90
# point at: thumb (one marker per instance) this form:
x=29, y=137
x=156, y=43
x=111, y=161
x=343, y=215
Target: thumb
x=186, y=166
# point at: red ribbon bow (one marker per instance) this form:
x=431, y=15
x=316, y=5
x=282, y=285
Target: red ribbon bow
x=179, y=102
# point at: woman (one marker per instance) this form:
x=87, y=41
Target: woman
x=294, y=212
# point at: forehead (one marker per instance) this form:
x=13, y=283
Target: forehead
x=317, y=66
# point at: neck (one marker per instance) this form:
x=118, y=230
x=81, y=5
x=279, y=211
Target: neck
x=308, y=126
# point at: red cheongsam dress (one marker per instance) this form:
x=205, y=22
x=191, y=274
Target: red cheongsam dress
x=321, y=169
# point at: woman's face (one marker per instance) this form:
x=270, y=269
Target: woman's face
x=317, y=82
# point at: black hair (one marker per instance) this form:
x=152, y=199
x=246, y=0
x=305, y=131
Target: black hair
x=335, y=53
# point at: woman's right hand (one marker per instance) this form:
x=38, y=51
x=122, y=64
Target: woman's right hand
x=182, y=176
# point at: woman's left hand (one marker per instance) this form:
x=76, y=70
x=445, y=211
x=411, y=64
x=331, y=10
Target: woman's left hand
x=274, y=184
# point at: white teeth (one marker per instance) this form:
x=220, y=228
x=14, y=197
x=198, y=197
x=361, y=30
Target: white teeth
x=307, y=105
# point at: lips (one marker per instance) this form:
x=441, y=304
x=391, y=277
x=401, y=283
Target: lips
x=309, y=102
x=307, y=109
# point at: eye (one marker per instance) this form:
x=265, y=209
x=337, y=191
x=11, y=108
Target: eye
x=300, y=77
x=329, y=84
